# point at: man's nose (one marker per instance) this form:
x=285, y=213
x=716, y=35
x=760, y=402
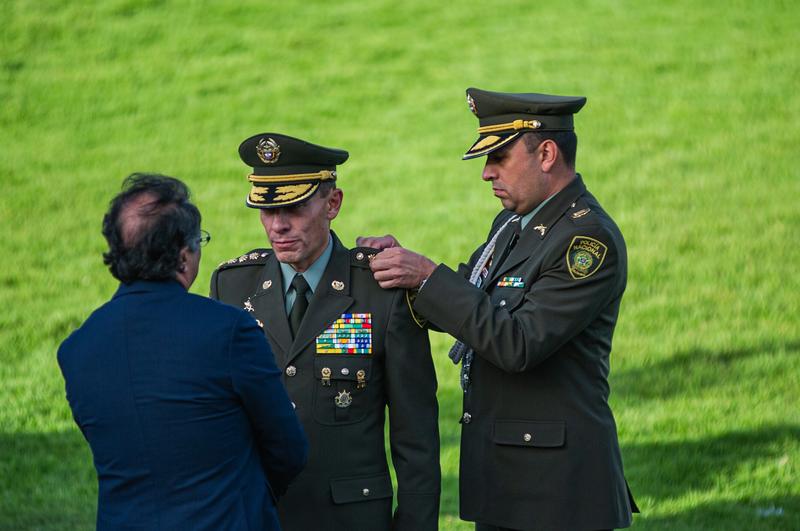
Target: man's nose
x=488, y=173
x=280, y=221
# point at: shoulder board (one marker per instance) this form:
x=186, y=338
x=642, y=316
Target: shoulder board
x=362, y=256
x=254, y=257
x=580, y=212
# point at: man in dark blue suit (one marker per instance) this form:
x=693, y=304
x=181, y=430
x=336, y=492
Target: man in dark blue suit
x=178, y=396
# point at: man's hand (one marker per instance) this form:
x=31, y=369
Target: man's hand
x=377, y=242
x=396, y=267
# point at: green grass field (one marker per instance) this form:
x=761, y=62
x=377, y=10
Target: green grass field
x=689, y=138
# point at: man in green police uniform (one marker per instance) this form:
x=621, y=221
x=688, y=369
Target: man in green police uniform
x=347, y=349
x=534, y=311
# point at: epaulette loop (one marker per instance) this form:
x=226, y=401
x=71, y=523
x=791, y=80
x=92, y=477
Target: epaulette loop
x=362, y=256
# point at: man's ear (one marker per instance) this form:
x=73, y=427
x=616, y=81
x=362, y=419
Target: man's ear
x=548, y=155
x=183, y=259
x=334, y=203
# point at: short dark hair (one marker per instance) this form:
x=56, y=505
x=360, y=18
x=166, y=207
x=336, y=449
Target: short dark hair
x=567, y=142
x=326, y=187
x=147, y=225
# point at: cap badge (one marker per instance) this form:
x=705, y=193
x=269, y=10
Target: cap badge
x=338, y=285
x=471, y=104
x=268, y=151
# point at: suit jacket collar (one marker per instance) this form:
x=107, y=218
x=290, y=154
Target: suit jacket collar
x=327, y=304
x=538, y=228
x=147, y=286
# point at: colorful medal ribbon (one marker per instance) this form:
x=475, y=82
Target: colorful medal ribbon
x=349, y=334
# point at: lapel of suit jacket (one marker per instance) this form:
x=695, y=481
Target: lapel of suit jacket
x=538, y=228
x=269, y=308
x=328, y=303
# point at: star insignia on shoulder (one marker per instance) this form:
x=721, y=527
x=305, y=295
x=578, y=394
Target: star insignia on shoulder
x=255, y=256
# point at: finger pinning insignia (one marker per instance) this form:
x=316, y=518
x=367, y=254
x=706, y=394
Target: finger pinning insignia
x=249, y=306
x=349, y=334
x=584, y=257
x=343, y=399
x=338, y=285
x=267, y=284
x=540, y=228
x=268, y=151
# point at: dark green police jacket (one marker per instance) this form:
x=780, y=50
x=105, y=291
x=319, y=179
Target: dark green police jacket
x=346, y=484
x=539, y=444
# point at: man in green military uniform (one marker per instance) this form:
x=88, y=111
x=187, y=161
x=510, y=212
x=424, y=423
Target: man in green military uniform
x=347, y=349
x=533, y=310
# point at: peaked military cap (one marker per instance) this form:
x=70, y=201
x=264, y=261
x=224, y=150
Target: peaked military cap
x=505, y=116
x=286, y=170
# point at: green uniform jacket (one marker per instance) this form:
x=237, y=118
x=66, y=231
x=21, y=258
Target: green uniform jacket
x=539, y=444
x=346, y=484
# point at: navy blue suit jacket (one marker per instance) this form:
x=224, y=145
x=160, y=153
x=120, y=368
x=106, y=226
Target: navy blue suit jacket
x=181, y=402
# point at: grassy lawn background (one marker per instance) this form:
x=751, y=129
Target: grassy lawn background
x=689, y=139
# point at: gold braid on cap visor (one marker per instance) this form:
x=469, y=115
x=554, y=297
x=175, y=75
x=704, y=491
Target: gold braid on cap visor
x=324, y=175
x=516, y=125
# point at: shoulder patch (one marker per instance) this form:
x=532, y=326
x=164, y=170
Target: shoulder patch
x=584, y=256
x=254, y=257
x=362, y=256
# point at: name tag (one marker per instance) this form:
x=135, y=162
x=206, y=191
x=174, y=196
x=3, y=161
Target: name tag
x=349, y=334
x=511, y=282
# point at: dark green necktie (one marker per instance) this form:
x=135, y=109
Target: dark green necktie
x=300, y=303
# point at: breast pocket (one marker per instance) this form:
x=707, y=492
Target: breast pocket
x=340, y=390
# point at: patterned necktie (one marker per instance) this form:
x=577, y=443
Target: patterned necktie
x=300, y=305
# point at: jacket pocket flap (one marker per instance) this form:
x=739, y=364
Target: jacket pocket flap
x=359, y=489
x=343, y=367
x=533, y=433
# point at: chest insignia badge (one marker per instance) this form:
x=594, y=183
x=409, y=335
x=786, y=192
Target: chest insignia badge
x=351, y=333
x=267, y=284
x=338, y=285
x=540, y=228
x=249, y=306
x=343, y=399
x=511, y=282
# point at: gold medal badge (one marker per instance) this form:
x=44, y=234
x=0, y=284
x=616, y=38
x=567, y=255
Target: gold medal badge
x=584, y=257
